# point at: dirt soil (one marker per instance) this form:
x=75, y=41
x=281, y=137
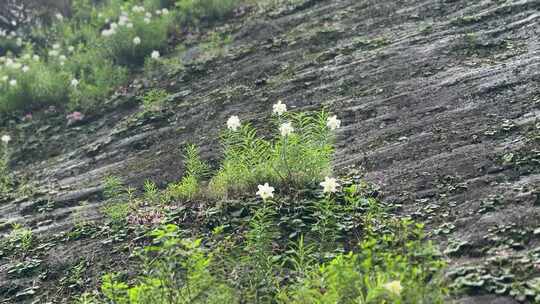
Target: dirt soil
x=440, y=102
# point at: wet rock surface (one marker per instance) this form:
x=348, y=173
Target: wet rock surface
x=440, y=102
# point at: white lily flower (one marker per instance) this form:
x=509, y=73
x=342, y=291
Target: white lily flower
x=265, y=191
x=155, y=55
x=286, y=129
x=233, y=123
x=6, y=139
x=279, y=108
x=329, y=185
x=333, y=123
x=393, y=287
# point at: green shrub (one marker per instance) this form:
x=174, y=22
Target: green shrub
x=118, y=202
x=6, y=182
x=395, y=267
x=135, y=36
x=192, y=11
x=177, y=271
x=300, y=158
x=97, y=77
x=196, y=169
x=117, y=213
x=21, y=239
x=154, y=98
x=28, y=83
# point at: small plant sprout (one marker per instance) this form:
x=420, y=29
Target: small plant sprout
x=279, y=108
x=265, y=191
x=393, y=287
x=286, y=129
x=329, y=185
x=233, y=123
x=137, y=40
x=333, y=123
x=155, y=55
x=6, y=139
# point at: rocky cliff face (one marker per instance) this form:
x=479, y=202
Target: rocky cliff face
x=440, y=102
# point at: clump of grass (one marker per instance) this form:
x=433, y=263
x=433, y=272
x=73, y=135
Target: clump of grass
x=118, y=203
x=136, y=35
x=30, y=83
x=196, y=170
x=301, y=157
x=154, y=98
x=193, y=11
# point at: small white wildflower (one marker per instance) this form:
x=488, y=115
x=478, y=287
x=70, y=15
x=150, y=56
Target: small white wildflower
x=165, y=11
x=25, y=69
x=265, y=191
x=62, y=58
x=233, y=123
x=280, y=108
x=286, y=129
x=53, y=53
x=393, y=287
x=123, y=20
x=26, y=56
x=114, y=26
x=137, y=40
x=129, y=25
x=16, y=65
x=56, y=46
x=333, y=123
x=6, y=139
x=19, y=42
x=74, y=83
x=147, y=20
x=148, y=15
x=158, y=12
x=155, y=55
x=107, y=33
x=71, y=49
x=13, y=82
x=59, y=16
x=138, y=9
x=35, y=58
x=329, y=185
